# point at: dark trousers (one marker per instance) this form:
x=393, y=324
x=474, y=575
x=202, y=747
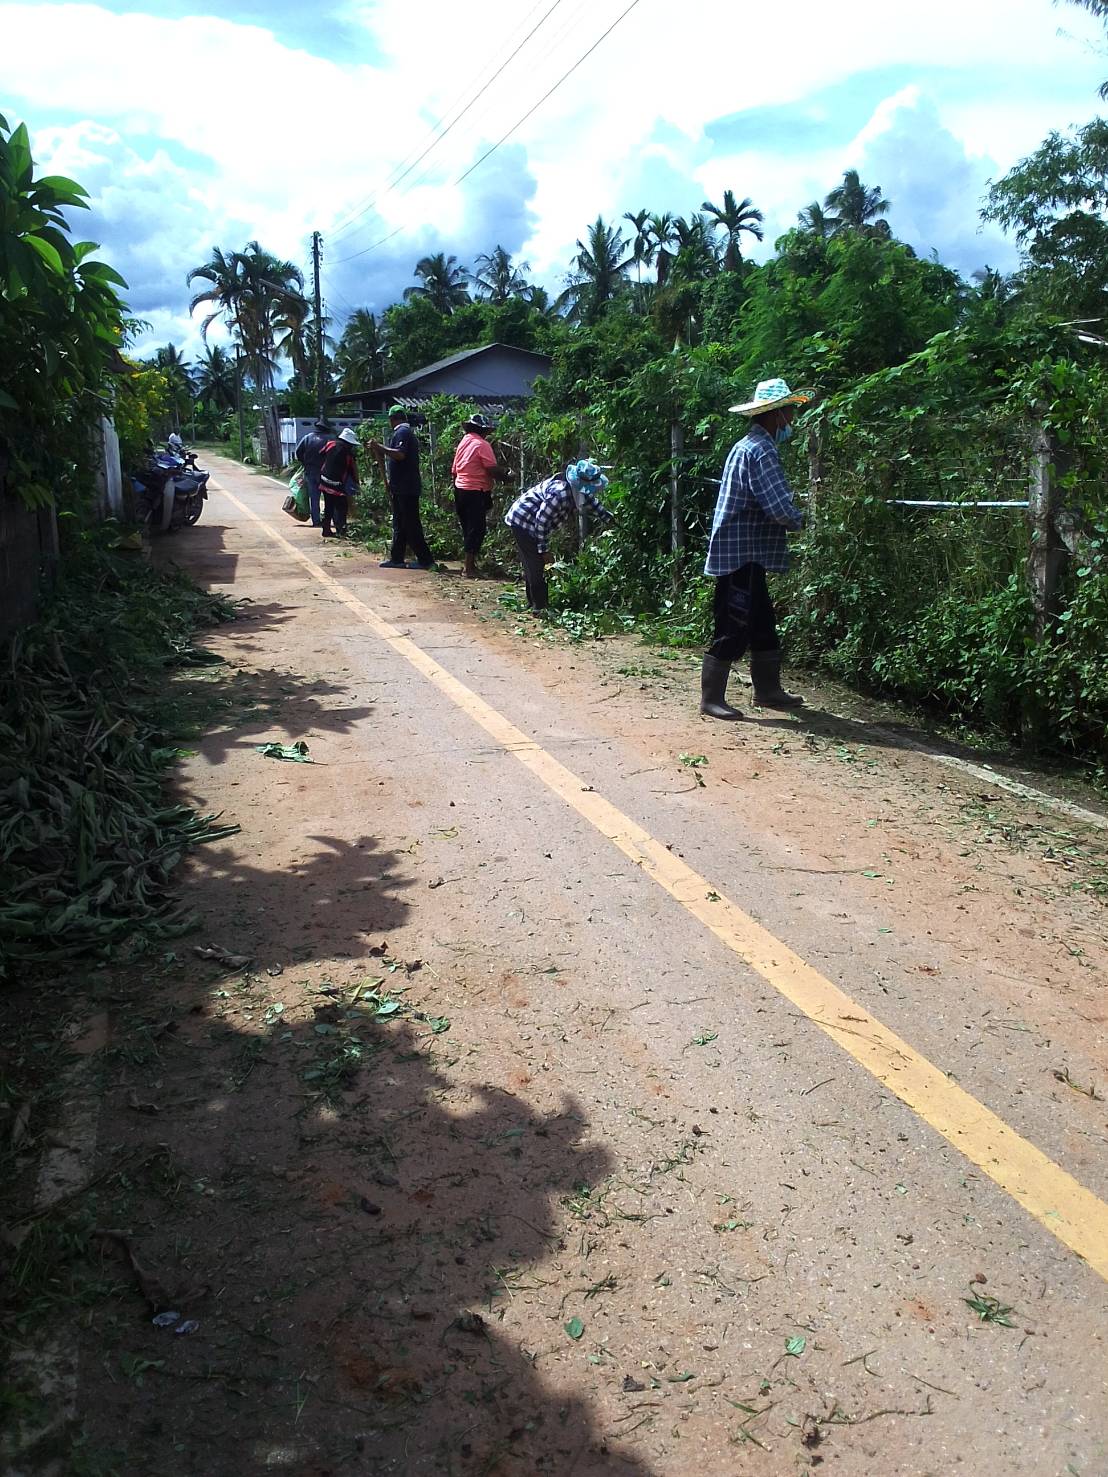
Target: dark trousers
x=312, y=484
x=534, y=570
x=742, y=614
x=334, y=511
x=472, y=509
x=407, y=529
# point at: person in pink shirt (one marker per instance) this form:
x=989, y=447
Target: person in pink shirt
x=474, y=470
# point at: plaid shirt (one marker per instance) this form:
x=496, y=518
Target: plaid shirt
x=754, y=508
x=540, y=509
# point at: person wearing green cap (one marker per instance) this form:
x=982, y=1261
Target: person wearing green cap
x=400, y=459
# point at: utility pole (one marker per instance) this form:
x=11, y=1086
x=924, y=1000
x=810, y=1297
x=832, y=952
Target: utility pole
x=238, y=404
x=317, y=241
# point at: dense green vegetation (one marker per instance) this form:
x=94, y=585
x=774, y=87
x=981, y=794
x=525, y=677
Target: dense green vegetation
x=61, y=328
x=88, y=842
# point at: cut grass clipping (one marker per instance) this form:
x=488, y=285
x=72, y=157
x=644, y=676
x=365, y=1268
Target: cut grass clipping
x=88, y=844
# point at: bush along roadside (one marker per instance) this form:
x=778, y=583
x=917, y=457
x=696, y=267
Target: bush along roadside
x=88, y=842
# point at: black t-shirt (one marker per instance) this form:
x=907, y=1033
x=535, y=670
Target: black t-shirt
x=404, y=475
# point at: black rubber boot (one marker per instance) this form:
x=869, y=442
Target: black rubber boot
x=713, y=689
x=765, y=673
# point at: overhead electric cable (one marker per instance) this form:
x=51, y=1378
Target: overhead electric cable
x=436, y=124
x=534, y=109
x=504, y=137
x=477, y=96
x=376, y=244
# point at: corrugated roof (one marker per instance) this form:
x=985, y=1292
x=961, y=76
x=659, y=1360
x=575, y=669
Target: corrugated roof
x=396, y=387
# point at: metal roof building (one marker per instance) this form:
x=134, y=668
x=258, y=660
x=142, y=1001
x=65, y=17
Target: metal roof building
x=493, y=378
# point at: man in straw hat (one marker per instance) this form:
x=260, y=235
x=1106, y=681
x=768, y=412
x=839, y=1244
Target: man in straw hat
x=754, y=509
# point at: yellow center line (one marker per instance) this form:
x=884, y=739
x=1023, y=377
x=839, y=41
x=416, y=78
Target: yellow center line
x=1069, y=1211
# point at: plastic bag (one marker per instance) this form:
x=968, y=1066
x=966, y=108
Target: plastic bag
x=299, y=493
x=294, y=510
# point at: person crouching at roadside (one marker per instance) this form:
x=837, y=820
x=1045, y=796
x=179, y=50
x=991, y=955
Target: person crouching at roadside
x=536, y=513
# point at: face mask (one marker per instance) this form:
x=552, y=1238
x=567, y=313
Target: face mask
x=782, y=434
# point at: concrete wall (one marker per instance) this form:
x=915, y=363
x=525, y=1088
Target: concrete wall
x=293, y=428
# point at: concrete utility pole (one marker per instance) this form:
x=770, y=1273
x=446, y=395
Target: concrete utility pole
x=238, y=403
x=317, y=242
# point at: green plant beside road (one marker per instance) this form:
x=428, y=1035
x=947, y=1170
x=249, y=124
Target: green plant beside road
x=88, y=840
x=61, y=327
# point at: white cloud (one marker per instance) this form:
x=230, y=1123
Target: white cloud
x=935, y=185
x=202, y=130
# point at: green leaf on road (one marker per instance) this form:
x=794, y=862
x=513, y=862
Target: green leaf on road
x=297, y=752
x=796, y=1345
x=575, y=1328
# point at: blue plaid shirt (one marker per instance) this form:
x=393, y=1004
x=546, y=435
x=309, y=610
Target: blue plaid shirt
x=754, y=508
x=540, y=509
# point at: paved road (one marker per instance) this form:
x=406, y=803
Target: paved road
x=674, y=1096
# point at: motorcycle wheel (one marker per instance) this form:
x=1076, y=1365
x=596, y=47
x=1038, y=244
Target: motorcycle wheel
x=193, y=511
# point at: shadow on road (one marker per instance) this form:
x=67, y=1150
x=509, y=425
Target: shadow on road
x=305, y=1155
x=355, y=1232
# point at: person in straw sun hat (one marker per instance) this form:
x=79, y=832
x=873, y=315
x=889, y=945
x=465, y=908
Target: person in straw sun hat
x=754, y=510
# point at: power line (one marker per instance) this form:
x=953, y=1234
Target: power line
x=520, y=121
x=436, y=124
x=374, y=247
x=504, y=137
x=478, y=95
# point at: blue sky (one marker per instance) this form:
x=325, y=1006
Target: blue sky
x=194, y=125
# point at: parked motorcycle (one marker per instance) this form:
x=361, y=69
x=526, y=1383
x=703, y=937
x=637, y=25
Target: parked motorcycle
x=170, y=490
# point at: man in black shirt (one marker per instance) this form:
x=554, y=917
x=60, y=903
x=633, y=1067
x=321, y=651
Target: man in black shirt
x=400, y=458
x=309, y=453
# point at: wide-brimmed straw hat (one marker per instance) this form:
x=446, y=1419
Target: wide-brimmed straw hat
x=771, y=395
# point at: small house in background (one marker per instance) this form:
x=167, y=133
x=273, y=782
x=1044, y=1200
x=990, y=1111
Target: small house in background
x=495, y=378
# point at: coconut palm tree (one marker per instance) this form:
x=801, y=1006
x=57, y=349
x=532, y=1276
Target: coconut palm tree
x=818, y=221
x=215, y=378
x=733, y=218
x=641, y=249
x=599, y=273
x=360, y=354
x=538, y=297
x=442, y=281
x=498, y=278
x=178, y=376
x=697, y=256
x=858, y=207
x=295, y=344
x=254, y=292
x=663, y=244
